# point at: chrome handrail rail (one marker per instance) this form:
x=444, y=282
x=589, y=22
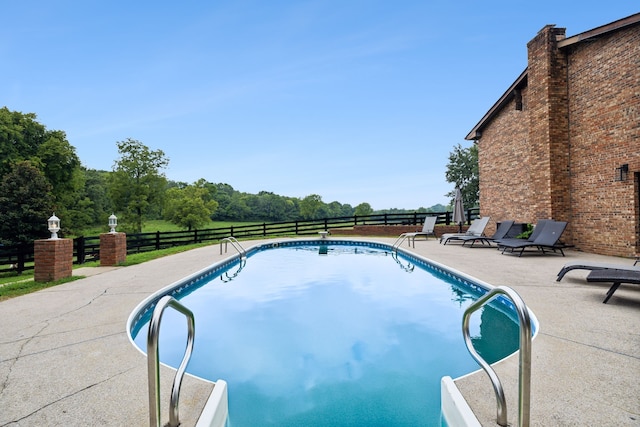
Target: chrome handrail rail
x=524, y=391
x=234, y=242
x=153, y=362
x=401, y=238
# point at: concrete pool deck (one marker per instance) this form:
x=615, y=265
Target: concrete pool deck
x=65, y=357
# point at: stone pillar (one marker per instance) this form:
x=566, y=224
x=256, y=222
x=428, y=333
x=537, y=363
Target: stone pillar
x=53, y=259
x=113, y=249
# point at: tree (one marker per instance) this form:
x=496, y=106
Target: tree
x=267, y=206
x=137, y=184
x=27, y=203
x=347, y=210
x=363, y=209
x=95, y=194
x=237, y=209
x=462, y=170
x=23, y=138
x=60, y=163
x=20, y=137
x=190, y=207
x=62, y=167
x=310, y=205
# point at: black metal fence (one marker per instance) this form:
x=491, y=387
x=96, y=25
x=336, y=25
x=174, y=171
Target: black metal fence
x=21, y=257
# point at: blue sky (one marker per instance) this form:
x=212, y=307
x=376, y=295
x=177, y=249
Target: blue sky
x=357, y=101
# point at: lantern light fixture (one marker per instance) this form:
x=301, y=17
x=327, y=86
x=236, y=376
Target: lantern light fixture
x=113, y=222
x=54, y=226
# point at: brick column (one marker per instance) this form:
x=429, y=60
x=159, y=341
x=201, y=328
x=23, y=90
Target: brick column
x=113, y=249
x=548, y=126
x=53, y=259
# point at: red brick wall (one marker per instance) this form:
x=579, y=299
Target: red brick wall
x=53, y=259
x=604, y=111
x=391, y=230
x=505, y=168
x=113, y=249
x=556, y=158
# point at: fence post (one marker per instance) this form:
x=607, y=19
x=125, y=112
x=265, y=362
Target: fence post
x=195, y=236
x=447, y=217
x=264, y=229
x=80, y=255
x=22, y=251
x=158, y=240
x=326, y=224
x=231, y=231
x=296, y=227
x=355, y=220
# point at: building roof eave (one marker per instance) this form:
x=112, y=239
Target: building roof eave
x=603, y=29
x=519, y=83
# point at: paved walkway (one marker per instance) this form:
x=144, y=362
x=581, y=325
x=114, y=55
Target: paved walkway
x=65, y=358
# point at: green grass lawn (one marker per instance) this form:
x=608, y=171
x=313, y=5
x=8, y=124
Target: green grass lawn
x=24, y=284
x=152, y=226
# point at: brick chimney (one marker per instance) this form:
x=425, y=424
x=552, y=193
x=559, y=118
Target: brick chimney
x=549, y=125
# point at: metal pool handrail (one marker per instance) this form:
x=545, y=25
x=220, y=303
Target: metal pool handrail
x=524, y=395
x=401, y=238
x=153, y=362
x=234, y=242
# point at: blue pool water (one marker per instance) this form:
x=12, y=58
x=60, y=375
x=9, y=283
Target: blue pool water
x=348, y=335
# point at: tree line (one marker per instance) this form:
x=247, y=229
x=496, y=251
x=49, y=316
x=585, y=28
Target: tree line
x=40, y=173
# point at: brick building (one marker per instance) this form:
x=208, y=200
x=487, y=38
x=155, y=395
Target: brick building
x=563, y=141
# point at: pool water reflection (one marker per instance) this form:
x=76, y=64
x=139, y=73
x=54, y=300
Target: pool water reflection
x=332, y=335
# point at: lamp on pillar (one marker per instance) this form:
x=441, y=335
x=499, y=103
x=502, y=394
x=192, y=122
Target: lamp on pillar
x=622, y=172
x=113, y=222
x=54, y=226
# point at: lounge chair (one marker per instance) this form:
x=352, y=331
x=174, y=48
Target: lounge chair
x=594, y=265
x=475, y=229
x=500, y=233
x=537, y=230
x=618, y=277
x=427, y=230
x=546, y=240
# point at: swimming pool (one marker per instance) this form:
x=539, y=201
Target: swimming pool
x=331, y=333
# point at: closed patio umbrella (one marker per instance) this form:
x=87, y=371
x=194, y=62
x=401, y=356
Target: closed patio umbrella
x=458, y=210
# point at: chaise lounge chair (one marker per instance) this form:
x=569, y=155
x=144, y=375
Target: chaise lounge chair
x=547, y=239
x=427, y=230
x=475, y=229
x=500, y=233
x=594, y=265
x=537, y=230
x=616, y=276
